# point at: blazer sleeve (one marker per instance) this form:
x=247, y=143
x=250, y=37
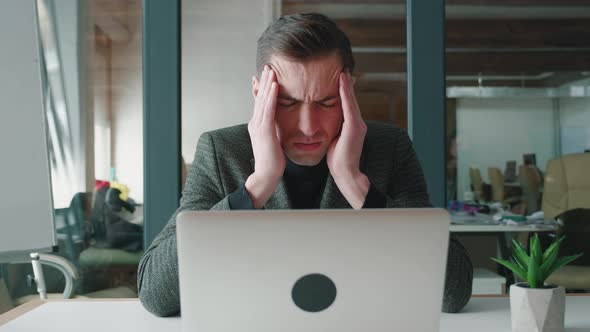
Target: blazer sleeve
x=408, y=189
x=157, y=276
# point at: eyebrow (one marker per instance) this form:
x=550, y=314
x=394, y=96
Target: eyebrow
x=323, y=100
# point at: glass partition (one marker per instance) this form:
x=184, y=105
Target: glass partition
x=91, y=68
x=518, y=100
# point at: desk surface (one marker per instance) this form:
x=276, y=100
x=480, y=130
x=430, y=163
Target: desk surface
x=493, y=315
x=491, y=228
x=481, y=314
x=485, y=223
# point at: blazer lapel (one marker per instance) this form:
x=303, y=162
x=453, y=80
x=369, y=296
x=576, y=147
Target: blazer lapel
x=279, y=200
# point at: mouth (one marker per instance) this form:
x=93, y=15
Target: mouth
x=307, y=146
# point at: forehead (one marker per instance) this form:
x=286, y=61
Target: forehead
x=310, y=78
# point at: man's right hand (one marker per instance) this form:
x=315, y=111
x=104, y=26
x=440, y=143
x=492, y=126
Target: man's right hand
x=268, y=155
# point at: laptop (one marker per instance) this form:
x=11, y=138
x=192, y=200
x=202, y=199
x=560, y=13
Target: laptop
x=312, y=270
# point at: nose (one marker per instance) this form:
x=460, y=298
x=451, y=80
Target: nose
x=308, y=122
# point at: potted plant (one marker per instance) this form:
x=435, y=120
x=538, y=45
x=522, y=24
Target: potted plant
x=535, y=306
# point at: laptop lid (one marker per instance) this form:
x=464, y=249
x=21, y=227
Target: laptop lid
x=312, y=270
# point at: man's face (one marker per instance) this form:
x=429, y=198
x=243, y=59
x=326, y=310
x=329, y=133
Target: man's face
x=308, y=110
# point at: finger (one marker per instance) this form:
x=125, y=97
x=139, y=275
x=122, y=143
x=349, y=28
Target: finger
x=255, y=112
x=265, y=97
x=269, y=79
x=270, y=109
x=355, y=109
x=262, y=82
x=345, y=99
x=258, y=107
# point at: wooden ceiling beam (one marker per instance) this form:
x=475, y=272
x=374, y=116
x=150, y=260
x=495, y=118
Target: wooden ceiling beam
x=398, y=88
x=482, y=62
x=489, y=33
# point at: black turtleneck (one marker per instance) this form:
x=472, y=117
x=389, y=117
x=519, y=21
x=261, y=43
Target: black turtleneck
x=305, y=185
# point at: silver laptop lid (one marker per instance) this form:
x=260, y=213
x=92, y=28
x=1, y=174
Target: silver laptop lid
x=312, y=270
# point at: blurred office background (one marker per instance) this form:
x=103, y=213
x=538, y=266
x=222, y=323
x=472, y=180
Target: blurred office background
x=518, y=96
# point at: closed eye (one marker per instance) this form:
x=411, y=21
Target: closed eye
x=328, y=105
x=328, y=102
x=287, y=103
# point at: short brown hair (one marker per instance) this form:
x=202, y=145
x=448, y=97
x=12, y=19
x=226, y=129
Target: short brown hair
x=303, y=37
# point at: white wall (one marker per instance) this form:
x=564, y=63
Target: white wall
x=65, y=42
x=491, y=131
x=127, y=108
x=101, y=116
x=575, y=118
x=218, y=61
x=575, y=121
x=575, y=124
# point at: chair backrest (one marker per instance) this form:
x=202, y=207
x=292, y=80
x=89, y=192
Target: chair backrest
x=510, y=171
x=497, y=182
x=475, y=177
x=530, y=184
x=529, y=159
x=567, y=184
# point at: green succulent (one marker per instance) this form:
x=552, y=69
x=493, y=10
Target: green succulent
x=538, y=266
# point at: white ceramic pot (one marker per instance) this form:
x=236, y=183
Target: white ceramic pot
x=537, y=309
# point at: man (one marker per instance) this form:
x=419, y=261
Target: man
x=306, y=146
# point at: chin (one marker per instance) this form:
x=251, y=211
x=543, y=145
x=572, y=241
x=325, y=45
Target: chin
x=306, y=160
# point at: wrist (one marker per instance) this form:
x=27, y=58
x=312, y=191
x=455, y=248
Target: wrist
x=347, y=174
x=260, y=188
x=354, y=186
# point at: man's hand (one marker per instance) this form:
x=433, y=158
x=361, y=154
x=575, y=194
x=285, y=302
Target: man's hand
x=344, y=153
x=268, y=154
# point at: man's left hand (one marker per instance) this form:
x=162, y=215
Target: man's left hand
x=344, y=153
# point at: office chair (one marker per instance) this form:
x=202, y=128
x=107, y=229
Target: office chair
x=500, y=193
x=566, y=196
x=481, y=190
x=510, y=171
x=60, y=281
x=102, y=268
x=531, y=188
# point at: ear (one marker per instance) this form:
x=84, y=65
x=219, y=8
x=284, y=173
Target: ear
x=255, y=85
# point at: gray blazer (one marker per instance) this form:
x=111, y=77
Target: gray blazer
x=224, y=160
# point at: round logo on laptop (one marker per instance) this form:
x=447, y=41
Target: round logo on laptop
x=313, y=292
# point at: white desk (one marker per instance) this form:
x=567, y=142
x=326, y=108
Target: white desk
x=481, y=315
x=493, y=315
x=483, y=224
x=491, y=228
